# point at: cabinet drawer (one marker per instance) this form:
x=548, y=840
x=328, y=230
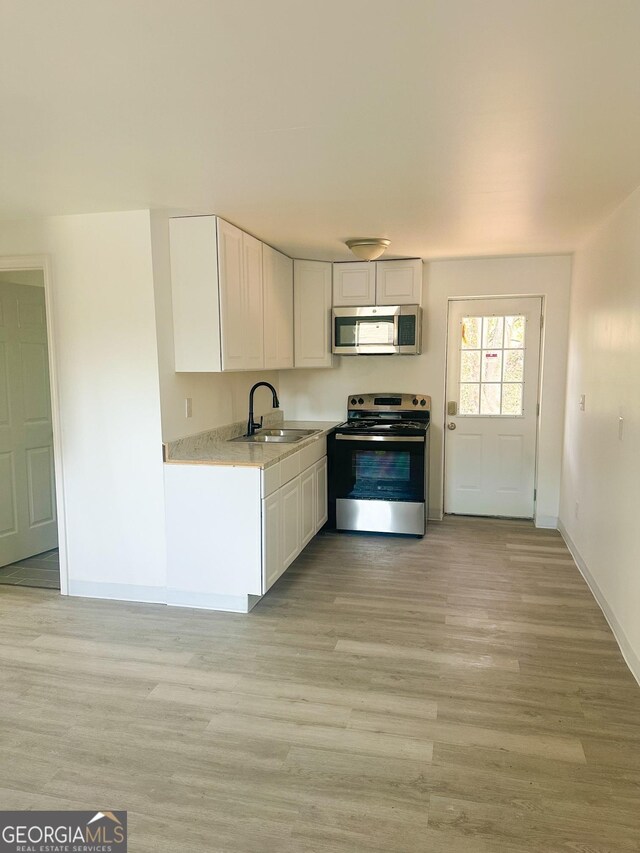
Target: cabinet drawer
x=270, y=480
x=311, y=454
x=289, y=468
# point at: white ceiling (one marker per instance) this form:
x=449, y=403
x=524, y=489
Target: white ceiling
x=452, y=127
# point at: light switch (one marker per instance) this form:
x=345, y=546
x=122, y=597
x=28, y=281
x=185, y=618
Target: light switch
x=620, y=427
x=583, y=401
x=188, y=407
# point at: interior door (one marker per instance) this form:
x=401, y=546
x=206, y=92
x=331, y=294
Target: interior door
x=27, y=488
x=492, y=406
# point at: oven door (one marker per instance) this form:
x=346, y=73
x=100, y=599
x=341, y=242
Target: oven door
x=377, y=483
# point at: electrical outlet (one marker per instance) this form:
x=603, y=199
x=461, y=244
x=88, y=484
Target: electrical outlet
x=583, y=401
x=188, y=407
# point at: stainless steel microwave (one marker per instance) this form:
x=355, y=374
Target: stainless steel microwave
x=377, y=330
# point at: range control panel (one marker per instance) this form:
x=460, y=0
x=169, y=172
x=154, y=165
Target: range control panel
x=389, y=402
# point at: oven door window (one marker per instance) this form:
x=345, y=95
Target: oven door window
x=363, y=331
x=377, y=471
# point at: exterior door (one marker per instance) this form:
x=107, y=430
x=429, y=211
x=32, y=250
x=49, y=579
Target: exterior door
x=27, y=487
x=492, y=406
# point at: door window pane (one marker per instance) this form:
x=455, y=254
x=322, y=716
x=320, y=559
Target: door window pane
x=512, y=399
x=491, y=380
x=469, y=399
x=492, y=365
x=470, y=366
x=471, y=332
x=490, y=399
x=492, y=332
x=514, y=332
x=513, y=366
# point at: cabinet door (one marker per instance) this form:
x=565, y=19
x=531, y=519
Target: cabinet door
x=272, y=566
x=321, y=493
x=290, y=522
x=232, y=295
x=312, y=310
x=399, y=282
x=194, y=293
x=307, y=506
x=354, y=283
x=240, y=281
x=277, y=281
x=252, y=327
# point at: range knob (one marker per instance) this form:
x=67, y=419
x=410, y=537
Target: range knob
x=423, y=402
x=353, y=401
x=415, y=401
x=360, y=400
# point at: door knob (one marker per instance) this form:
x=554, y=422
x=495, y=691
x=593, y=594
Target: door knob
x=451, y=425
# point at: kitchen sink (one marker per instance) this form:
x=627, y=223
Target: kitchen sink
x=302, y=433
x=277, y=436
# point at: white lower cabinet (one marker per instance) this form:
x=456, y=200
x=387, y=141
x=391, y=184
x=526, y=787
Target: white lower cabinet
x=307, y=505
x=293, y=514
x=322, y=507
x=290, y=521
x=272, y=565
x=233, y=530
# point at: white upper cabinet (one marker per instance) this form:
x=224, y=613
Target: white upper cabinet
x=240, y=274
x=312, y=312
x=194, y=293
x=354, y=283
x=216, y=291
x=378, y=283
x=277, y=280
x=399, y=282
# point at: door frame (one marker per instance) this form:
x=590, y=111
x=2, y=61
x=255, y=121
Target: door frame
x=543, y=303
x=19, y=263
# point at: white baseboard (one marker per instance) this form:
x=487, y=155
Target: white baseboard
x=208, y=601
x=628, y=652
x=546, y=522
x=118, y=591
x=161, y=595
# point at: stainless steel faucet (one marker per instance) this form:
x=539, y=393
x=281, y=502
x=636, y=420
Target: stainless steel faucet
x=252, y=426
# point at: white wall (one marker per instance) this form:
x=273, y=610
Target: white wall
x=323, y=393
x=107, y=376
x=601, y=471
x=217, y=398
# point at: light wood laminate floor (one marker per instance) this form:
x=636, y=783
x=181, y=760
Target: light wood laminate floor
x=457, y=694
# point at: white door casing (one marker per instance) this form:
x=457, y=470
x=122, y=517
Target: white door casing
x=491, y=414
x=28, y=523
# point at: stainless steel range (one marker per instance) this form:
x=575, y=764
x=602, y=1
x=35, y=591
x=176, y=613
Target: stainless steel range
x=379, y=465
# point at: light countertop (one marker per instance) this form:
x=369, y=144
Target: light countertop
x=216, y=448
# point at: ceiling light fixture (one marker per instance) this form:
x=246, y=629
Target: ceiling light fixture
x=368, y=248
